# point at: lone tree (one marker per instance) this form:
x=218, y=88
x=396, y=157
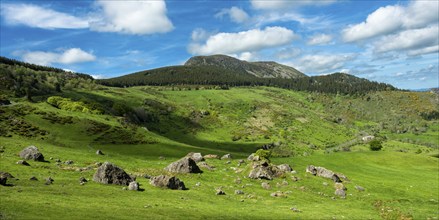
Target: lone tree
x=375, y=145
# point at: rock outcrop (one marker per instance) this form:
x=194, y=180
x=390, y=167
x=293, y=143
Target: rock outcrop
x=184, y=165
x=31, y=153
x=170, y=182
x=109, y=173
x=323, y=172
x=197, y=157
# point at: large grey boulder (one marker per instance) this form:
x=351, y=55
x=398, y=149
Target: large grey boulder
x=184, y=165
x=323, y=172
x=262, y=171
x=109, y=173
x=31, y=153
x=197, y=157
x=283, y=168
x=4, y=177
x=170, y=182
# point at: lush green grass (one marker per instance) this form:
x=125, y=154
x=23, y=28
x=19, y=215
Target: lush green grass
x=402, y=177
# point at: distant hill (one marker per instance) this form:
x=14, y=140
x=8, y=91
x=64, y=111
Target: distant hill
x=261, y=69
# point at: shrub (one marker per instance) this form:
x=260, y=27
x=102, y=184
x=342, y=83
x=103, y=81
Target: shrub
x=375, y=145
x=263, y=154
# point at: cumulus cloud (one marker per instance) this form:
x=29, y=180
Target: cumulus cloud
x=236, y=14
x=132, y=17
x=288, y=53
x=199, y=34
x=40, y=17
x=390, y=19
x=319, y=39
x=70, y=56
x=322, y=63
x=285, y=4
x=245, y=41
x=424, y=40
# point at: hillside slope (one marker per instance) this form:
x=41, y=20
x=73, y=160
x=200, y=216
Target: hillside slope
x=258, y=69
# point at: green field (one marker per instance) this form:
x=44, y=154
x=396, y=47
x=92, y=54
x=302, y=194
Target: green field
x=401, y=181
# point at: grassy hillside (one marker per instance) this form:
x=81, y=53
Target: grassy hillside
x=143, y=129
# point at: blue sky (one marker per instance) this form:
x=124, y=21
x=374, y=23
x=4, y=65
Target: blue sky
x=396, y=42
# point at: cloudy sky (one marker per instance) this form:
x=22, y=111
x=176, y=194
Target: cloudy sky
x=395, y=42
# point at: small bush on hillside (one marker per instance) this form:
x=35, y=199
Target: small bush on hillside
x=263, y=154
x=375, y=145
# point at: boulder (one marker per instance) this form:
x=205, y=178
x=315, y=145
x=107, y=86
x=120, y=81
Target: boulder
x=226, y=157
x=211, y=156
x=197, y=157
x=68, y=162
x=4, y=177
x=340, y=192
x=184, y=165
x=33, y=178
x=205, y=165
x=133, y=186
x=82, y=180
x=262, y=171
x=49, y=180
x=220, y=192
x=266, y=185
x=323, y=172
x=253, y=157
x=170, y=182
x=359, y=188
x=31, y=153
x=23, y=162
x=99, y=152
x=109, y=173
x=239, y=192
x=278, y=194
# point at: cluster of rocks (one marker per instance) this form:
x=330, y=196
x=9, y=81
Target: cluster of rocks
x=268, y=171
x=340, y=189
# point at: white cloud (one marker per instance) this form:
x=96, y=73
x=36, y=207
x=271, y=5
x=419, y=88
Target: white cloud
x=70, y=56
x=288, y=53
x=286, y=4
x=422, y=40
x=322, y=63
x=392, y=18
x=236, y=14
x=424, y=51
x=320, y=39
x=133, y=17
x=199, y=34
x=247, y=56
x=245, y=41
x=98, y=76
x=40, y=17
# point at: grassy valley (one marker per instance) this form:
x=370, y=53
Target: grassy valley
x=144, y=128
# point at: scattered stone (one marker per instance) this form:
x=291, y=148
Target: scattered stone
x=4, y=177
x=325, y=184
x=33, y=178
x=82, y=180
x=239, y=192
x=124, y=188
x=170, y=182
x=253, y=157
x=340, y=192
x=58, y=160
x=340, y=186
x=323, y=172
x=162, y=158
x=2, y=149
x=133, y=186
x=49, y=180
x=198, y=184
x=295, y=178
x=228, y=162
x=284, y=168
x=197, y=157
x=219, y=191
x=184, y=165
x=278, y=194
x=109, y=173
x=294, y=209
x=226, y=157
x=205, y=165
x=240, y=162
x=23, y=162
x=98, y=164
x=211, y=156
x=146, y=176
x=99, y=152
x=284, y=183
x=266, y=185
x=238, y=180
x=51, y=158
x=68, y=162
x=31, y=153
x=359, y=188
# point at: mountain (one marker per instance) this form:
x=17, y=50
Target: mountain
x=262, y=69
